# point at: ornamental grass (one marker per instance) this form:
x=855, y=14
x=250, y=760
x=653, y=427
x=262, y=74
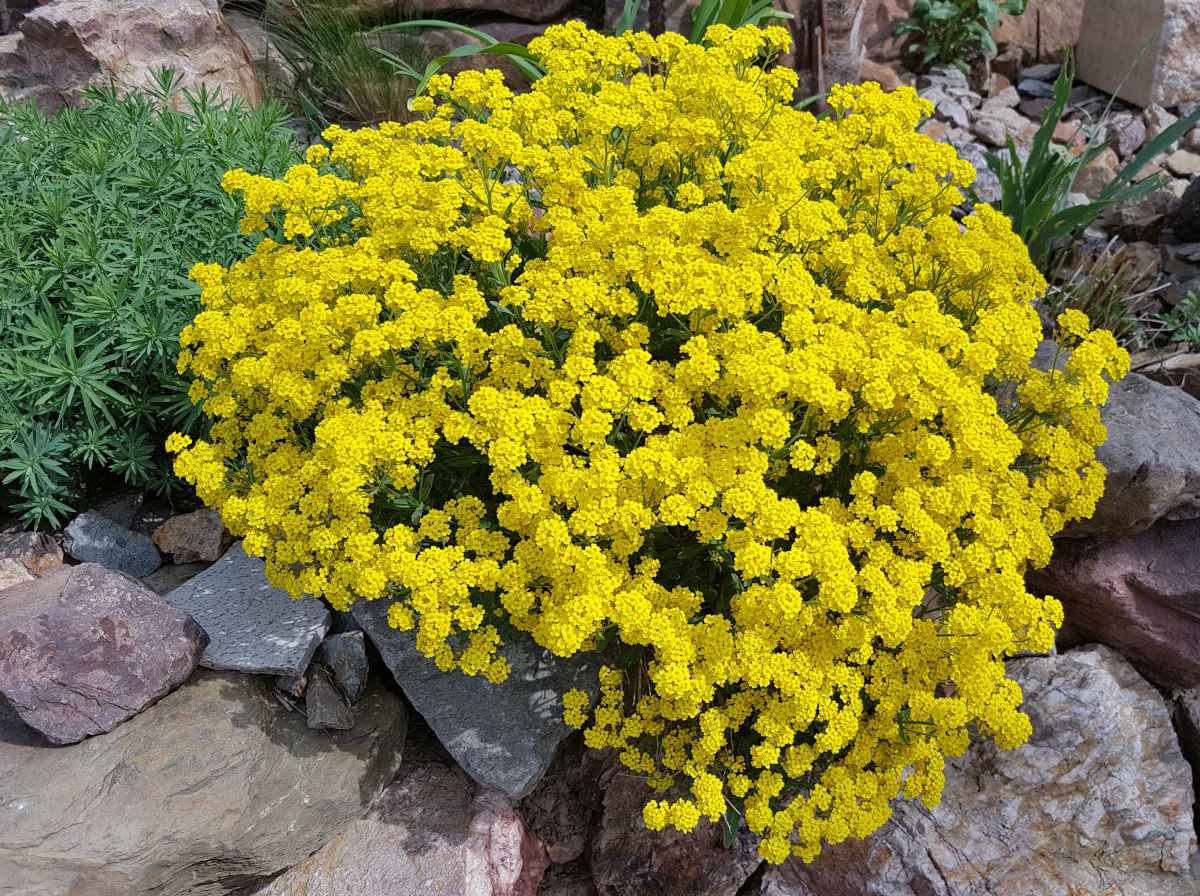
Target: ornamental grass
x=647, y=363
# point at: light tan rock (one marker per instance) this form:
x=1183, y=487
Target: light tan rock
x=36, y=551
x=67, y=44
x=1045, y=31
x=211, y=787
x=1183, y=163
x=432, y=831
x=1098, y=801
x=999, y=123
x=1144, y=51
x=13, y=573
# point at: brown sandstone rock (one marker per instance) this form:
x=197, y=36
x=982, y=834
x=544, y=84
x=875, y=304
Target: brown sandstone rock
x=1045, y=31
x=192, y=537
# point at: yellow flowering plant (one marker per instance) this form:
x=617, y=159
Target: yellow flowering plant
x=648, y=363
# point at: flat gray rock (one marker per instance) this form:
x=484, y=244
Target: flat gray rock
x=93, y=538
x=324, y=707
x=84, y=648
x=252, y=626
x=206, y=793
x=1152, y=456
x=346, y=656
x=503, y=735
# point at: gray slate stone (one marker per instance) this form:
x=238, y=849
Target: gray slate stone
x=346, y=656
x=205, y=793
x=323, y=705
x=93, y=538
x=85, y=648
x=252, y=626
x=1043, y=71
x=1152, y=457
x=1030, y=87
x=503, y=735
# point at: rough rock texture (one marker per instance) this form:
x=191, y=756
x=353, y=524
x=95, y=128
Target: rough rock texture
x=430, y=833
x=1098, y=801
x=84, y=648
x=560, y=809
x=208, y=790
x=526, y=10
x=628, y=860
x=13, y=572
x=508, y=747
x=36, y=551
x=1046, y=30
x=1142, y=50
x=1152, y=456
x=324, y=706
x=1185, y=220
x=170, y=576
x=92, y=538
x=64, y=45
x=252, y=627
x=346, y=656
x=1139, y=594
x=1187, y=721
x=192, y=537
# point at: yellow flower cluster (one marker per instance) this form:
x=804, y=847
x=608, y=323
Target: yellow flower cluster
x=647, y=362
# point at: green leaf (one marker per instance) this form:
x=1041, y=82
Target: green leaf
x=628, y=18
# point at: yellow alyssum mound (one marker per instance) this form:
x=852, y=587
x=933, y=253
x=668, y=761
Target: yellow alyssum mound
x=646, y=361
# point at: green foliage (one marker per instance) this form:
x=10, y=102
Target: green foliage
x=340, y=75
x=1034, y=190
x=103, y=209
x=1182, y=323
x=485, y=45
x=954, y=32
x=733, y=13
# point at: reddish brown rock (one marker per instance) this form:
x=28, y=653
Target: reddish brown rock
x=628, y=860
x=36, y=551
x=432, y=831
x=192, y=537
x=84, y=648
x=1139, y=594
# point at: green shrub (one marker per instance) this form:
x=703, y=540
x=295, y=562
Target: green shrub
x=1034, y=187
x=956, y=32
x=341, y=73
x=103, y=210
